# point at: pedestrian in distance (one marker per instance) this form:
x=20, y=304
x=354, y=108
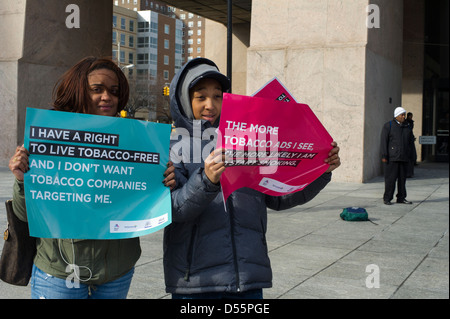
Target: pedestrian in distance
x=209, y=251
x=397, y=142
x=103, y=268
x=413, y=152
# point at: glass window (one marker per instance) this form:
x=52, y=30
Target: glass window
x=131, y=41
x=166, y=44
x=153, y=59
x=143, y=42
x=142, y=58
x=154, y=27
x=153, y=42
x=122, y=23
x=167, y=29
x=143, y=26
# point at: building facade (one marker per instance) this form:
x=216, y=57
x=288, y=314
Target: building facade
x=124, y=39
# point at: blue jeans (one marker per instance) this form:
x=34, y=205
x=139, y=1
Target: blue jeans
x=251, y=294
x=45, y=286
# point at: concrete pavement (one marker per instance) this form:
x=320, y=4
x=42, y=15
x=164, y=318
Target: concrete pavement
x=315, y=254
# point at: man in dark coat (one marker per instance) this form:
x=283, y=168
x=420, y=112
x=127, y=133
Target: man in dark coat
x=396, y=144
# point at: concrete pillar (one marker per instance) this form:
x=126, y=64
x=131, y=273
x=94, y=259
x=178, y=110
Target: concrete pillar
x=413, y=64
x=37, y=47
x=327, y=57
x=216, y=50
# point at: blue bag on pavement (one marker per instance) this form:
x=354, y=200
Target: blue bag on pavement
x=355, y=214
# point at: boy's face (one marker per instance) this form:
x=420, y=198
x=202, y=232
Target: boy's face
x=206, y=100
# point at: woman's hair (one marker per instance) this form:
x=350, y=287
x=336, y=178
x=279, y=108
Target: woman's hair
x=71, y=92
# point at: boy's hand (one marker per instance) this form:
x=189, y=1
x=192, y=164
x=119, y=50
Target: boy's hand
x=215, y=165
x=333, y=158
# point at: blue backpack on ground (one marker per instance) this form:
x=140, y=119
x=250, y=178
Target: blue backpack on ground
x=355, y=214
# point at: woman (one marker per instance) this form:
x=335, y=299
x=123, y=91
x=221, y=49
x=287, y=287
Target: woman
x=103, y=268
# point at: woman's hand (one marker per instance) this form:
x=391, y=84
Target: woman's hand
x=215, y=165
x=333, y=158
x=169, y=175
x=18, y=164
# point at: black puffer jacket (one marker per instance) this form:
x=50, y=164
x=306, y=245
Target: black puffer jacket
x=208, y=249
x=397, y=141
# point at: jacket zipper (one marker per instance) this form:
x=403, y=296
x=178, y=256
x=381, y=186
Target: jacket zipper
x=190, y=252
x=233, y=244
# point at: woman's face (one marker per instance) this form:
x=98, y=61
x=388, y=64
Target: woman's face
x=104, y=92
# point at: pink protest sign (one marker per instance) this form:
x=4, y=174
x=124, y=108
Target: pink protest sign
x=272, y=146
x=274, y=89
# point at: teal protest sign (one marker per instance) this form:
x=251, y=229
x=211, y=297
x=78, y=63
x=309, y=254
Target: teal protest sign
x=95, y=177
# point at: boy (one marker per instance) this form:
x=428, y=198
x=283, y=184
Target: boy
x=210, y=252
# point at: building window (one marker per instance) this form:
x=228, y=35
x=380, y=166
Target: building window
x=114, y=38
x=130, y=58
x=153, y=42
x=122, y=39
x=131, y=41
x=166, y=44
x=167, y=29
x=143, y=42
x=166, y=60
x=166, y=75
x=122, y=57
x=143, y=26
x=199, y=24
x=153, y=59
x=154, y=27
x=131, y=25
x=122, y=23
x=142, y=58
x=114, y=21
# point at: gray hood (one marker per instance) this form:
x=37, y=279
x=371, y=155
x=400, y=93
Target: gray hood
x=186, y=78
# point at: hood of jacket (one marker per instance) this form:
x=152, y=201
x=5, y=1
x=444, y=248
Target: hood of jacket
x=180, y=103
